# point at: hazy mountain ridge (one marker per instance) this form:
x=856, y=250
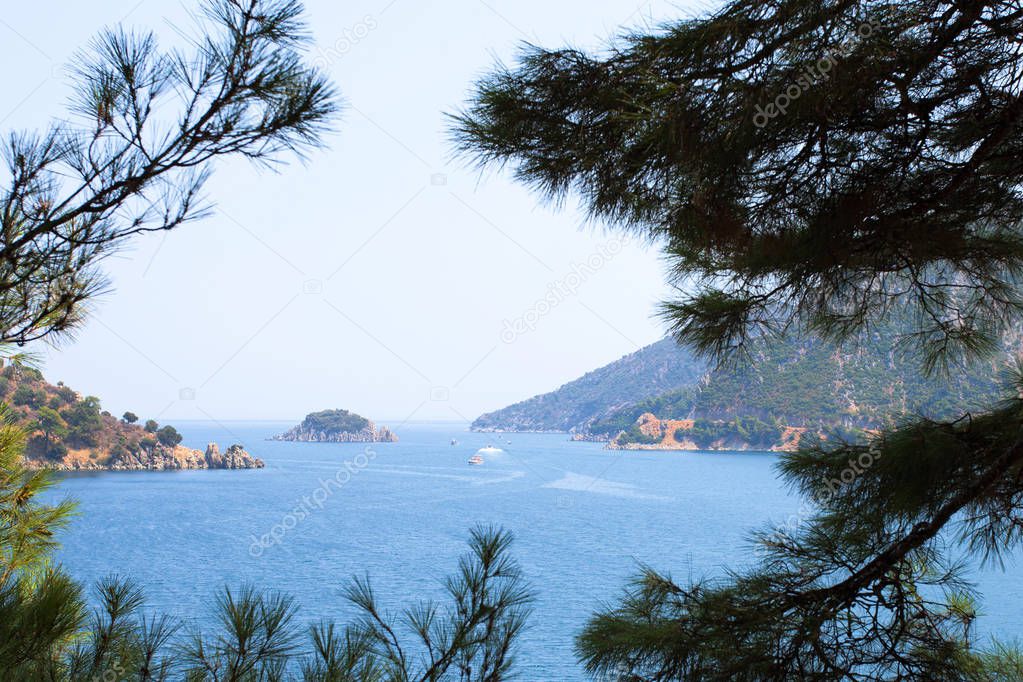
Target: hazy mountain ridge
x=815, y=385
x=804, y=384
x=658, y=368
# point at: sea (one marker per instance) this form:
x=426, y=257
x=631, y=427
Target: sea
x=585, y=521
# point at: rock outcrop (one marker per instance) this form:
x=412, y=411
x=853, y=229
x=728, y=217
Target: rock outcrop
x=651, y=433
x=160, y=458
x=370, y=434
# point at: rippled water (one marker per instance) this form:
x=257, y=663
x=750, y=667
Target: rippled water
x=584, y=518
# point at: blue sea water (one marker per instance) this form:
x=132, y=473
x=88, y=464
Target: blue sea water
x=584, y=518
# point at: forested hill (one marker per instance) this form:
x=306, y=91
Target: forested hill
x=651, y=371
x=794, y=383
x=819, y=387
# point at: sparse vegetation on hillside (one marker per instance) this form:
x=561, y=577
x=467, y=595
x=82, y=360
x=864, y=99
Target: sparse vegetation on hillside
x=62, y=425
x=815, y=385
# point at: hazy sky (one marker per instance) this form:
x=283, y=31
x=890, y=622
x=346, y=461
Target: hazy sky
x=380, y=276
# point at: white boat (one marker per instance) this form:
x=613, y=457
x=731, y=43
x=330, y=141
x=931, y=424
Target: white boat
x=476, y=459
x=490, y=450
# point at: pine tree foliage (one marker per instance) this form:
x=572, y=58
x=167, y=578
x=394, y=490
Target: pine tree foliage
x=146, y=125
x=808, y=165
x=810, y=168
x=149, y=126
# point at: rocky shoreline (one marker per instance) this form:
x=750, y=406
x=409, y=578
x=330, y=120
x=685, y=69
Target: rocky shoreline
x=158, y=459
x=370, y=434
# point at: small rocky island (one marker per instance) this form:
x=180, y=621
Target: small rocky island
x=337, y=426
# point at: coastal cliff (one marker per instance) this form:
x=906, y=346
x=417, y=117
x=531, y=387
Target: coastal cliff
x=337, y=426
x=70, y=432
x=163, y=458
x=651, y=433
x=783, y=388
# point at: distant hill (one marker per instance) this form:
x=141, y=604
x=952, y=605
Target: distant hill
x=70, y=432
x=650, y=371
x=811, y=384
x=337, y=426
x=788, y=387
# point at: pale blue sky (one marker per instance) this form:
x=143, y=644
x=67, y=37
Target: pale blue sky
x=379, y=276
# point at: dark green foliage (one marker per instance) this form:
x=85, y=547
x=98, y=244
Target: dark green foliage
x=797, y=382
x=633, y=436
x=51, y=423
x=68, y=422
x=84, y=423
x=823, y=204
x=745, y=431
x=334, y=421
x=152, y=426
x=169, y=436
x=66, y=394
x=129, y=418
x=864, y=586
x=120, y=450
x=28, y=396
x=890, y=182
x=43, y=449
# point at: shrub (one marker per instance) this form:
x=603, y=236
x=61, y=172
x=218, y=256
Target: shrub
x=40, y=448
x=169, y=436
x=31, y=397
x=84, y=423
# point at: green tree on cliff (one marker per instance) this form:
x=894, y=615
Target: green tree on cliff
x=810, y=168
x=168, y=435
x=51, y=424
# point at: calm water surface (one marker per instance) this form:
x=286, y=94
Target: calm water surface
x=584, y=518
